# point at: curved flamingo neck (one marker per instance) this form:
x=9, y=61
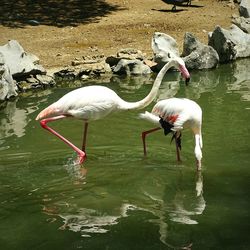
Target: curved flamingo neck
x=153, y=92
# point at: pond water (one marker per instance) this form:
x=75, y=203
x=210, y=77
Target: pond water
x=120, y=199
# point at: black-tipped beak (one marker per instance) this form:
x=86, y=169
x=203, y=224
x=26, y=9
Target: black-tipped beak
x=187, y=81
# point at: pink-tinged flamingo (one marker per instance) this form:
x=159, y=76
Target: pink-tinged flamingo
x=173, y=115
x=95, y=102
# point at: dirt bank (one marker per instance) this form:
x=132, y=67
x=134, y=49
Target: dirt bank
x=72, y=29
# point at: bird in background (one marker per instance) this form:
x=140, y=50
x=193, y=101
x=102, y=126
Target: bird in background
x=173, y=115
x=95, y=102
x=177, y=3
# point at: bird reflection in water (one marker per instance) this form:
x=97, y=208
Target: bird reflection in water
x=174, y=205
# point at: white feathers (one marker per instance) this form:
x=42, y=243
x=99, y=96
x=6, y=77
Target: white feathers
x=181, y=113
x=150, y=117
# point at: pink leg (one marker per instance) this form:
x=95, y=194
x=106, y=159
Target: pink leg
x=85, y=136
x=44, y=122
x=143, y=135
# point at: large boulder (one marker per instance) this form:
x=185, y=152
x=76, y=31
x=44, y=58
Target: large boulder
x=19, y=62
x=164, y=47
x=244, y=8
x=7, y=85
x=230, y=44
x=131, y=67
x=198, y=55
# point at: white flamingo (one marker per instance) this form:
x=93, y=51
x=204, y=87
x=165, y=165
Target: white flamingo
x=95, y=102
x=173, y=115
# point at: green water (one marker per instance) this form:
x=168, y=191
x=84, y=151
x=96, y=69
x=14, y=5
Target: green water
x=119, y=199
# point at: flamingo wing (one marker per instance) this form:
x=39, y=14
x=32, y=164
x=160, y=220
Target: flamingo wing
x=172, y=111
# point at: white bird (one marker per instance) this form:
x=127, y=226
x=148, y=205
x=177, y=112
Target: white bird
x=95, y=102
x=173, y=115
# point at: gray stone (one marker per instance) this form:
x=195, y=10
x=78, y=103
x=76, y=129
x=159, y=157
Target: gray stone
x=8, y=86
x=164, y=47
x=244, y=8
x=127, y=53
x=230, y=44
x=197, y=55
x=19, y=62
x=46, y=80
x=242, y=22
x=131, y=67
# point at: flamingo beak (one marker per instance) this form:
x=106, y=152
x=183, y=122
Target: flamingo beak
x=184, y=73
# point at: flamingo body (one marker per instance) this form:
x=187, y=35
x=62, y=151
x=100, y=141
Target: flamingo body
x=176, y=114
x=86, y=103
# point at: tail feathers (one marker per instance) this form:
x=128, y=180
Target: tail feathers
x=150, y=117
x=48, y=112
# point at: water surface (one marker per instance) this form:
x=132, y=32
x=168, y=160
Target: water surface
x=120, y=199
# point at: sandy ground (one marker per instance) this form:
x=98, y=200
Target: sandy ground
x=76, y=28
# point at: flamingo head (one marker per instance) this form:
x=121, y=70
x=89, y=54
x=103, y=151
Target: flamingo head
x=180, y=65
x=184, y=71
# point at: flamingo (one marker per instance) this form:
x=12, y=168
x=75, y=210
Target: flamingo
x=95, y=102
x=173, y=115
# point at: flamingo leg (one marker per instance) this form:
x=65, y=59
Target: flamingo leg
x=44, y=122
x=177, y=137
x=144, y=134
x=85, y=136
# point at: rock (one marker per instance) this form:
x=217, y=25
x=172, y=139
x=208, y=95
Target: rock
x=19, y=62
x=91, y=65
x=242, y=22
x=131, y=54
x=46, y=80
x=33, y=22
x=8, y=86
x=67, y=73
x=244, y=8
x=164, y=47
x=230, y=44
x=128, y=53
x=197, y=55
x=131, y=67
x=94, y=69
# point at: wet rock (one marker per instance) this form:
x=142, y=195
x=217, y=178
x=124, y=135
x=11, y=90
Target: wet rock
x=164, y=47
x=131, y=67
x=197, y=55
x=20, y=62
x=230, y=44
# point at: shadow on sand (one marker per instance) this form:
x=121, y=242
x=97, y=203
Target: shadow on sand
x=59, y=13
x=179, y=10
